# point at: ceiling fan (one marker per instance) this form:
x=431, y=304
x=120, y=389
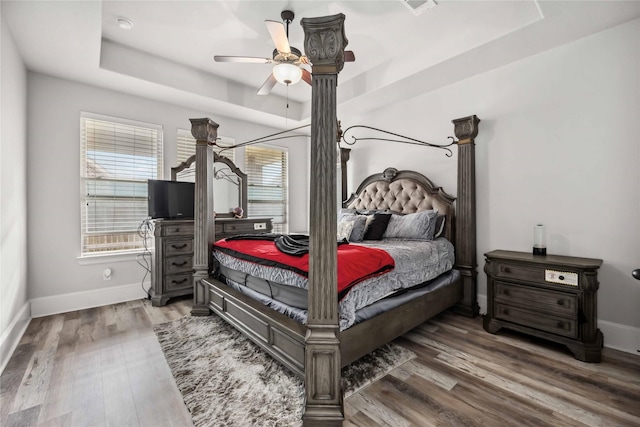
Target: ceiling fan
x=288, y=60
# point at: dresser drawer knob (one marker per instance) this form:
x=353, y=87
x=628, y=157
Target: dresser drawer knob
x=505, y=311
x=560, y=302
x=506, y=292
x=560, y=325
x=507, y=270
x=177, y=282
x=182, y=246
x=182, y=264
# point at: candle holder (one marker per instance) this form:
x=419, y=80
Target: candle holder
x=539, y=240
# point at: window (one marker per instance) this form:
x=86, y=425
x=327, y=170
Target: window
x=186, y=146
x=117, y=157
x=266, y=168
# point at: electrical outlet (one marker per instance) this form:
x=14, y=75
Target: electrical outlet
x=260, y=226
x=106, y=274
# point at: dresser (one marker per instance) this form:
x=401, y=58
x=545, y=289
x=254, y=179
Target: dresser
x=172, y=260
x=548, y=296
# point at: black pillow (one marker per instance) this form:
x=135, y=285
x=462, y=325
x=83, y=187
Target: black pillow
x=377, y=226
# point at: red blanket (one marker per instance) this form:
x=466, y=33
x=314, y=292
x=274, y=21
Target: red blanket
x=355, y=263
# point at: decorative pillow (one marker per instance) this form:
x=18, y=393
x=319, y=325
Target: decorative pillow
x=359, y=223
x=344, y=229
x=419, y=225
x=439, y=230
x=344, y=212
x=376, y=226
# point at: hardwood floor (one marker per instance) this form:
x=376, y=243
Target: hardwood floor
x=104, y=366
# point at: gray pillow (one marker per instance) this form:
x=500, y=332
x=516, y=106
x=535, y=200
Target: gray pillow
x=418, y=226
x=359, y=221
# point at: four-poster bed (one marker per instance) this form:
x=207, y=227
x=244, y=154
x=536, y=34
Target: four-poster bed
x=318, y=349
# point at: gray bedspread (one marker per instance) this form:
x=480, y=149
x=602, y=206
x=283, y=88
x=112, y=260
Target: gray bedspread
x=416, y=262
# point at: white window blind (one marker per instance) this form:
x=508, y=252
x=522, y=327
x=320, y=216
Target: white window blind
x=186, y=146
x=117, y=157
x=266, y=168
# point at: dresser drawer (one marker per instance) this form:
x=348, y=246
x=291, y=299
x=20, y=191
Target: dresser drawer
x=178, y=229
x=535, y=319
x=178, y=264
x=239, y=227
x=560, y=303
x=178, y=246
x=176, y=282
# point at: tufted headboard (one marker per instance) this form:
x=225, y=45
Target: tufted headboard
x=403, y=192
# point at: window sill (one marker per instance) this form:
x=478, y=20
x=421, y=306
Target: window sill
x=104, y=258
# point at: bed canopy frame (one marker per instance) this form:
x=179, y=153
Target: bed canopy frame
x=324, y=45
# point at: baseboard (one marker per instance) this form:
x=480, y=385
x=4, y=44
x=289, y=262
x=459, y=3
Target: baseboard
x=12, y=336
x=620, y=337
x=616, y=336
x=65, y=303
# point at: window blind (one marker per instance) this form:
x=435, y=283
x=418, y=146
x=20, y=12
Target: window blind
x=266, y=168
x=117, y=157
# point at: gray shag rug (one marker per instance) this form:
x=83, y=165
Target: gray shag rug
x=226, y=380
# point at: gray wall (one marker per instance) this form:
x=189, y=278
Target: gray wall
x=558, y=144
x=13, y=186
x=54, y=184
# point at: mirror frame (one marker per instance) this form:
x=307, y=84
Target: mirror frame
x=242, y=191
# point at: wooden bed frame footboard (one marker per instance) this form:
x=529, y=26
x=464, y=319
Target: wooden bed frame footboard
x=318, y=350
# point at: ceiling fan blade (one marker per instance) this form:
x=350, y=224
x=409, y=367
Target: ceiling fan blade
x=349, y=56
x=279, y=36
x=306, y=76
x=266, y=87
x=249, y=59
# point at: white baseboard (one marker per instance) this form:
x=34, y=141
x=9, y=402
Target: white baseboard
x=620, y=337
x=12, y=336
x=65, y=303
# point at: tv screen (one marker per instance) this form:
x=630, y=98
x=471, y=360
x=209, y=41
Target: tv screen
x=171, y=199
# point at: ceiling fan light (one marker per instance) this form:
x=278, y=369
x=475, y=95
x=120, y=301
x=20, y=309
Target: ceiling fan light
x=287, y=74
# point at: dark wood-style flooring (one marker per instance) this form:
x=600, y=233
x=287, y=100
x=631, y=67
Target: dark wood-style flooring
x=104, y=367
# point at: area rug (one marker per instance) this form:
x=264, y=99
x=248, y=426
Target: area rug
x=226, y=380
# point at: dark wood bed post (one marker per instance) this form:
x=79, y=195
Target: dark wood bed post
x=466, y=129
x=205, y=131
x=324, y=43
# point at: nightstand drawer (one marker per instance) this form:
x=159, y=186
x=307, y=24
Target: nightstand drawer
x=176, y=282
x=178, y=230
x=178, y=247
x=178, y=264
x=530, y=273
x=560, y=303
x=538, y=320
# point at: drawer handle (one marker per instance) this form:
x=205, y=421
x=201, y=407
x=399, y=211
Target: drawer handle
x=560, y=325
x=507, y=270
x=505, y=311
x=506, y=292
x=176, y=230
x=560, y=302
x=182, y=246
x=177, y=282
x=182, y=264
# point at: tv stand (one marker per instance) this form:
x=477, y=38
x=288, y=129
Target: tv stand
x=172, y=260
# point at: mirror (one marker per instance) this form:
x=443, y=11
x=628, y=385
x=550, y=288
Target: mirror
x=229, y=184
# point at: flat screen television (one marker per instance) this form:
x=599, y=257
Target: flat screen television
x=170, y=199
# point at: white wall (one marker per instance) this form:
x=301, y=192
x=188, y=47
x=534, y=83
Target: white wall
x=54, y=107
x=14, y=310
x=558, y=144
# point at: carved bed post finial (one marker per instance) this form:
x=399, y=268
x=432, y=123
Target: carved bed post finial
x=466, y=129
x=205, y=131
x=324, y=43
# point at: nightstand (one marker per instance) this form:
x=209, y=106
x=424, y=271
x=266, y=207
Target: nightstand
x=548, y=296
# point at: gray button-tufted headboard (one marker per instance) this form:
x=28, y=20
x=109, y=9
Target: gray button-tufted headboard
x=403, y=192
